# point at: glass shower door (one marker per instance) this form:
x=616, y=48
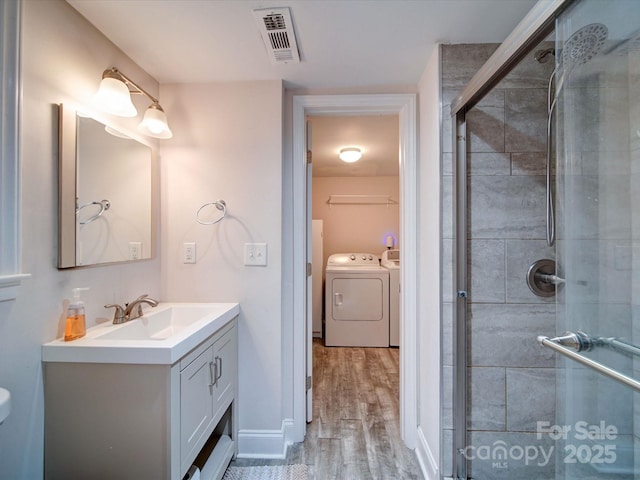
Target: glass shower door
x=597, y=123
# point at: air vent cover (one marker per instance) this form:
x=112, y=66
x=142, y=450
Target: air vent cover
x=276, y=29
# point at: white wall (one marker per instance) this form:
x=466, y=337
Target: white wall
x=62, y=61
x=227, y=145
x=429, y=268
x=224, y=148
x=357, y=228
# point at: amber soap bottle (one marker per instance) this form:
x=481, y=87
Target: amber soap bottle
x=76, y=326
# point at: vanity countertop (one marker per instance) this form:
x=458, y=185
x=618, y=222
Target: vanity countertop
x=163, y=335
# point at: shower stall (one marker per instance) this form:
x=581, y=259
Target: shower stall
x=541, y=225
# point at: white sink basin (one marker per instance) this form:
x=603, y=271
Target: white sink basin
x=159, y=324
x=163, y=335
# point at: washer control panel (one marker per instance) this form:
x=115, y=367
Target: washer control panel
x=353, y=259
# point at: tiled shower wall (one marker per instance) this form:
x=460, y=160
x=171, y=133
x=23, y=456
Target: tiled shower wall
x=511, y=380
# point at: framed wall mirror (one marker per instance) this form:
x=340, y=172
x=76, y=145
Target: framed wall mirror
x=105, y=193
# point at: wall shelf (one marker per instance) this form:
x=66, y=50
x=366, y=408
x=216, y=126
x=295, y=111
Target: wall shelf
x=361, y=200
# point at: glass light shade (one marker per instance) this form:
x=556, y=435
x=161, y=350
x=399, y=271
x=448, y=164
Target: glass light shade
x=154, y=123
x=350, y=154
x=113, y=97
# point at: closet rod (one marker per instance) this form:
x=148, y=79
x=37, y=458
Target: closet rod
x=361, y=200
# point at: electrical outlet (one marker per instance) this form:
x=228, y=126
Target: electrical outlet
x=255, y=254
x=135, y=250
x=189, y=252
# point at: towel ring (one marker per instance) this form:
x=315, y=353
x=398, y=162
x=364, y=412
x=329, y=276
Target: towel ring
x=104, y=206
x=220, y=205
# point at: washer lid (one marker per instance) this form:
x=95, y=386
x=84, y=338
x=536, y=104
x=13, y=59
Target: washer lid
x=353, y=260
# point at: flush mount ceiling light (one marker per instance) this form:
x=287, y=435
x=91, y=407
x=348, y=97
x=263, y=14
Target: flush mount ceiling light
x=114, y=97
x=350, y=154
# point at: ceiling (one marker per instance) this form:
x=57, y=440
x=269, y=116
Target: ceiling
x=342, y=44
x=376, y=135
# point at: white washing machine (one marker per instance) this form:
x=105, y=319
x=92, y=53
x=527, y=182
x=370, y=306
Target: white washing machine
x=391, y=261
x=356, y=301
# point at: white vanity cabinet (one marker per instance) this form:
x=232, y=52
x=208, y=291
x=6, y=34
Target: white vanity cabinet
x=207, y=386
x=146, y=421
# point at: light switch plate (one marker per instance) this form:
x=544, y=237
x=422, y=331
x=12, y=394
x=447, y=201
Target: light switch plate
x=189, y=252
x=255, y=254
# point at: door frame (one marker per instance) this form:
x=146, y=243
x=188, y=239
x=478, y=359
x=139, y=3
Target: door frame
x=10, y=150
x=403, y=105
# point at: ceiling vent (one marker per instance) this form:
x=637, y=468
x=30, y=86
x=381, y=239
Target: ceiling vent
x=276, y=29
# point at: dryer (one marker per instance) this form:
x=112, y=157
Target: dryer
x=391, y=261
x=356, y=301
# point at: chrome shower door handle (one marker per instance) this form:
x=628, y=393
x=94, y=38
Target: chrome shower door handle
x=581, y=341
x=555, y=345
x=337, y=299
x=578, y=341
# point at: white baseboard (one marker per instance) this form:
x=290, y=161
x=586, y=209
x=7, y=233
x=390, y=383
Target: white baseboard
x=428, y=464
x=265, y=443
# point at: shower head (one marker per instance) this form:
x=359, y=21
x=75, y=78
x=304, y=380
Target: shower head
x=542, y=56
x=584, y=44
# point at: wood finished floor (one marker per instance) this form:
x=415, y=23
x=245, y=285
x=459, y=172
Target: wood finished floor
x=355, y=433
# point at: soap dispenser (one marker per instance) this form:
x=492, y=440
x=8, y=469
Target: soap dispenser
x=76, y=326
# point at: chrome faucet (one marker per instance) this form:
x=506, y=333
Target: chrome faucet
x=132, y=310
x=131, y=314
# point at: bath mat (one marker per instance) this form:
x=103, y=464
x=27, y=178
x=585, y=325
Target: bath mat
x=275, y=472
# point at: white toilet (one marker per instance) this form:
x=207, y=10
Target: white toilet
x=5, y=404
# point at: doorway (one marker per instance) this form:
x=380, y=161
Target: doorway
x=355, y=209
x=403, y=105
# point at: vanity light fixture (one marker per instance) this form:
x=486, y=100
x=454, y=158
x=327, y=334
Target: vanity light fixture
x=350, y=154
x=114, y=96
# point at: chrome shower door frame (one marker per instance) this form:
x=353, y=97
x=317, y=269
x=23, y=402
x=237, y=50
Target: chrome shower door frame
x=460, y=294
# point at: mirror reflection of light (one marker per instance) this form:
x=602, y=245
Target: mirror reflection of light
x=114, y=132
